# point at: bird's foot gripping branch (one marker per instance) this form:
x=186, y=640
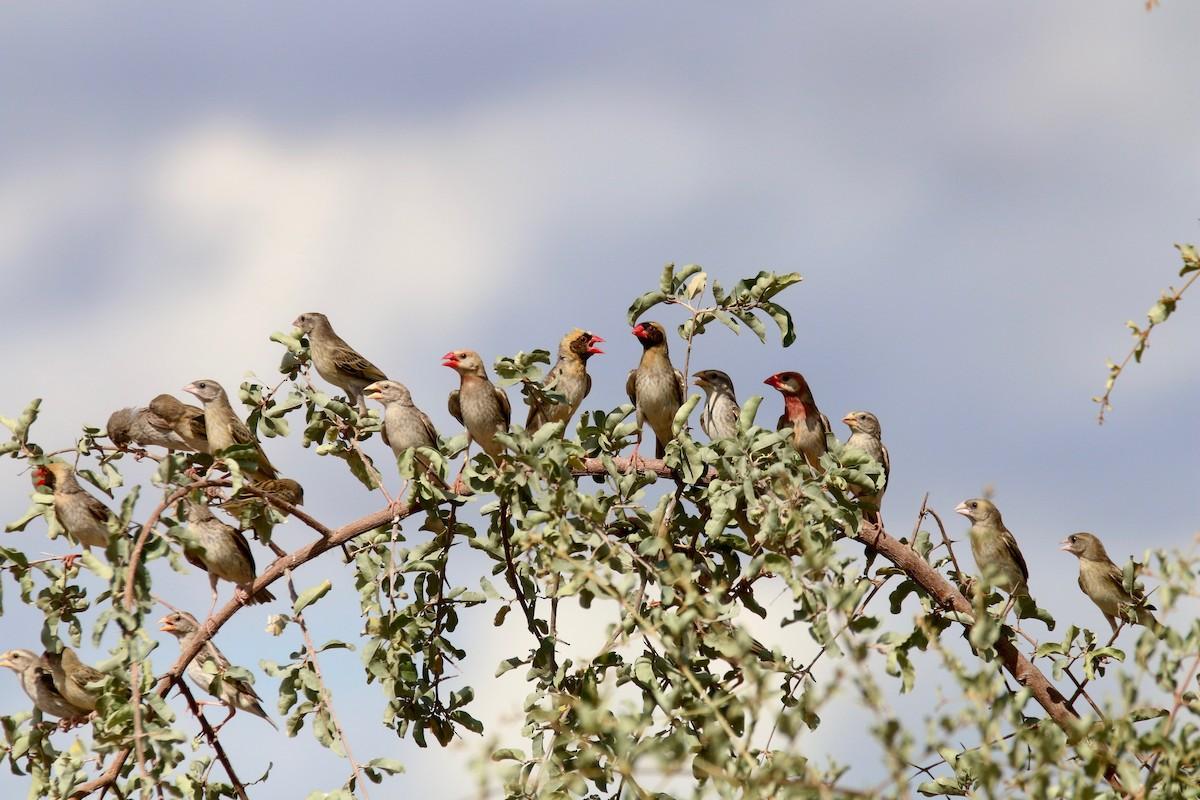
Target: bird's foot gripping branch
x=681, y=621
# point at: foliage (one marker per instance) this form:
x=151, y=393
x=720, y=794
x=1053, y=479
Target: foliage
x=680, y=699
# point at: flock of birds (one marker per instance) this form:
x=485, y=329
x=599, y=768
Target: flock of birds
x=61, y=685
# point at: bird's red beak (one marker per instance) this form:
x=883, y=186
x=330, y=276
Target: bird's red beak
x=640, y=331
x=773, y=381
x=39, y=477
x=595, y=340
x=450, y=360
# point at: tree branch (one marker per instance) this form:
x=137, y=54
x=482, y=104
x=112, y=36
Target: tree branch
x=213, y=741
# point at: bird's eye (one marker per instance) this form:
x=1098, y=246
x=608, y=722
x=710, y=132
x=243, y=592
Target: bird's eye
x=973, y=505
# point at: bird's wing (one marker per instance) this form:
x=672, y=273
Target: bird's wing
x=211, y=653
x=243, y=546
x=347, y=360
x=1010, y=544
x=505, y=407
x=455, y=407
x=587, y=385
x=887, y=462
x=826, y=425
x=784, y=422
x=680, y=387
x=631, y=386
x=383, y=433
x=430, y=430
x=730, y=413
x=95, y=508
x=193, y=422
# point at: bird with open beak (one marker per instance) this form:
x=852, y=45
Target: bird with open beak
x=1104, y=583
x=235, y=693
x=800, y=414
x=568, y=377
x=224, y=428
x=477, y=403
x=84, y=518
x=336, y=361
x=38, y=682
x=655, y=387
x=866, y=436
x=995, y=550
x=719, y=419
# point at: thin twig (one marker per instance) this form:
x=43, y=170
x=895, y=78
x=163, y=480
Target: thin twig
x=213, y=741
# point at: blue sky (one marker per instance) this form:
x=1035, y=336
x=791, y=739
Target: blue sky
x=978, y=198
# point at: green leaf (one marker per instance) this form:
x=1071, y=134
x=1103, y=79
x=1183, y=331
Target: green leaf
x=310, y=596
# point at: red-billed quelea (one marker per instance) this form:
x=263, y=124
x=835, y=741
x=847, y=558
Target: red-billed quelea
x=866, y=437
x=719, y=419
x=568, y=377
x=336, y=361
x=236, y=694
x=1104, y=582
x=38, y=682
x=224, y=428
x=655, y=387
x=223, y=553
x=141, y=427
x=800, y=413
x=186, y=421
x=479, y=405
x=84, y=518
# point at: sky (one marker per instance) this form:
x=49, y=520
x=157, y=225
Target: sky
x=978, y=196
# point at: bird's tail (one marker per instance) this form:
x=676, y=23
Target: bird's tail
x=261, y=596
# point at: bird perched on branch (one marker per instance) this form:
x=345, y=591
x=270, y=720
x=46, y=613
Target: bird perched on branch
x=800, y=413
x=84, y=518
x=404, y=425
x=719, y=419
x=568, y=377
x=235, y=693
x=995, y=549
x=336, y=361
x=186, y=421
x=38, y=682
x=285, y=489
x=224, y=428
x=655, y=387
x=71, y=678
x=478, y=404
x=143, y=428
x=1104, y=582
x=866, y=437
x=224, y=553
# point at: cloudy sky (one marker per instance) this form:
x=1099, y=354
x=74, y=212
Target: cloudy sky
x=978, y=198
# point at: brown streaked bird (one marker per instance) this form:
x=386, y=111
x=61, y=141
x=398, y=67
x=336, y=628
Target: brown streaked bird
x=866, y=436
x=336, y=361
x=143, y=428
x=84, y=518
x=285, y=489
x=800, y=413
x=568, y=377
x=1104, y=582
x=38, y=683
x=224, y=555
x=224, y=428
x=719, y=419
x=236, y=694
x=404, y=425
x=186, y=421
x=478, y=404
x=995, y=549
x=655, y=388
x=71, y=678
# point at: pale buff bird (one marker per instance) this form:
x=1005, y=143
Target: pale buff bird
x=479, y=405
x=223, y=553
x=141, y=427
x=719, y=419
x=224, y=428
x=995, y=549
x=568, y=377
x=72, y=677
x=336, y=361
x=185, y=421
x=866, y=437
x=800, y=413
x=38, y=682
x=655, y=387
x=1104, y=582
x=236, y=694
x=404, y=425
x=84, y=518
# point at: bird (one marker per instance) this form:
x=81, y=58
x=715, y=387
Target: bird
x=84, y=518
x=995, y=549
x=1104, y=582
x=224, y=553
x=404, y=425
x=38, y=682
x=478, y=404
x=800, y=413
x=284, y=489
x=186, y=421
x=655, y=388
x=143, y=428
x=224, y=428
x=866, y=437
x=568, y=377
x=337, y=362
x=71, y=678
x=236, y=694
x=719, y=419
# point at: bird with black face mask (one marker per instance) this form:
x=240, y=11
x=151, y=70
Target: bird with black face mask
x=336, y=361
x=655, y=388
x=1104, y=582
x=568, y=377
